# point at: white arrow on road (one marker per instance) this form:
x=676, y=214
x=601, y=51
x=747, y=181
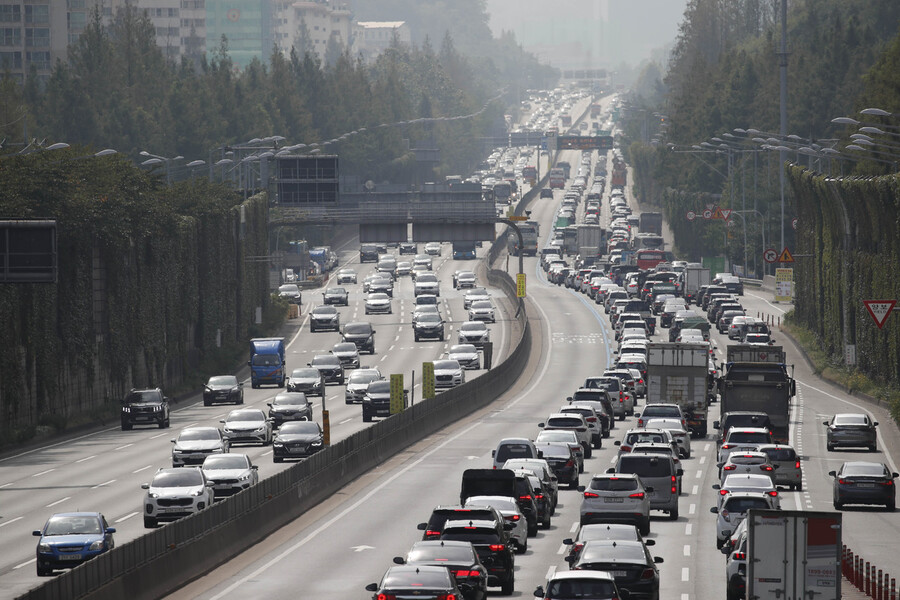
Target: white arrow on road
x=361, y=548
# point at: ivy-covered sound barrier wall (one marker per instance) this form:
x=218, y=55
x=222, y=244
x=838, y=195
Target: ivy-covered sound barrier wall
x=849, y=251
x=152, y=279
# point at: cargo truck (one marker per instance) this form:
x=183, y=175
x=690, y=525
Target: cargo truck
x=756, y=379
x=570, y=240
x=530, y=231
x=693, y=278
x=793, y=554
x=677, y=373
x=590, y=240
x=266, y=361
x=651, y=222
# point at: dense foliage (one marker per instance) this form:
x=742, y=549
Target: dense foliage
x=118, y=91
x=152, y=281
x=723, y=75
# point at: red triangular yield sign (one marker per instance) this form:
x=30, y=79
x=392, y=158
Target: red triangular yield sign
x=880, y=310
x=785, y=256
x=726, y=212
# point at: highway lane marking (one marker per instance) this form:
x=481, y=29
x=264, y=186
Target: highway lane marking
x=392, y=346
x=692, y=509
x=396, y=338
x=383, y=357
x=685, y=574
x=345, y=421
x=685, y=597
x=706, y=447
x=267, y=453
x=159, y=435
x=4, y=524
x=695, y=490
x=58, y=502
x=702, y=460
x=574, y=527
x=767, y=302
x=142, y=469
x=189, y=425
x=688, y=528
x=123, y=447
x=5, y=485
x=43, y=472
x=26, y=563
x=687, y=550
x=128, y=516
x=699, y=474
x=86, y=458
x=562, y=549
x=105, y=483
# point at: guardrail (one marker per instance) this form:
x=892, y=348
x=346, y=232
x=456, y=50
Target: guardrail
x=164, y=559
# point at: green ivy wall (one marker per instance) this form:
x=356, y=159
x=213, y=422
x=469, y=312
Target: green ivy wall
x=849, y=247
x=151, y=280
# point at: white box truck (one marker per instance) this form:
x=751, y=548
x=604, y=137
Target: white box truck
x=793, y=555
x=677, y=373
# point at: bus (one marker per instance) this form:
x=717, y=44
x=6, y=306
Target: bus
x=648, y=259
x=648, y=241
x=503, y=193
x=557, y=178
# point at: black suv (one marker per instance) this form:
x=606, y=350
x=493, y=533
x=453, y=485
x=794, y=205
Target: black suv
x=454, y=512
x=493, y=546
x=368, y=252
x=362, y=334
x=377, y=401
x=145, y=407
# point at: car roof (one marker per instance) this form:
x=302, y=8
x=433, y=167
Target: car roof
x=599, y=575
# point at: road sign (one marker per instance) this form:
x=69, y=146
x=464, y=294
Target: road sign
x=584, y=142
x=880, y=310
x=770, y=255
x=520, y=285
x=427, y=380
x=691, y=215
x=707, y=214
x=785, y=256
x=784, y=285
x=726, y=213
x=397, y=403
x=794, y=224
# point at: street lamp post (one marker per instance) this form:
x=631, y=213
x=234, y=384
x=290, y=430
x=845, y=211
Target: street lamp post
x=155, y=159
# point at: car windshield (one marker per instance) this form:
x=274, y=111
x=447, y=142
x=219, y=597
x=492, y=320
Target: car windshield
x=338, y=291
x=295, y=427
x=72, y=525
x=266, y=360
x=661, y=411
x=463, y=349
x=614, y=484
x=378, y=296
x=742, y=505
x=245, y=415
x=324, y=310
x=849, y=420
x=223, y=380
x=745, y=481
x=358, y=328
x=362, y=377
x=345, y=347
x=621, y=552
x=780, y=453
x=556, y=436
x=290, y=399
x=419, y=579
x=442, y=553
x=289, y=289
x=226, y=461
x=567, y=589
x=428, y=318
x=446, y=365
x=379, y=387
x=472, y=326
x=513, y=450
x=747, y=459
x=191, y=435
x=426, y=278
x=178, y=478
x=305, y=373
x=864, y=469
x=634, y=438
x=565, y=422
x=139, y=396
x=477, y=292
x=476, y=535
x=645, y=465
x=326, y=360
x=482, y=304
x=749, y=437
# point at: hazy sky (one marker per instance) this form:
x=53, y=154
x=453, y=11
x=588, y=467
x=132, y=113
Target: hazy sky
x=589, y=33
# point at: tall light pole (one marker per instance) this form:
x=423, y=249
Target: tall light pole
x=782, y=64
x=156, y=159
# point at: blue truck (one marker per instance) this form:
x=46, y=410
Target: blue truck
x=266, y=362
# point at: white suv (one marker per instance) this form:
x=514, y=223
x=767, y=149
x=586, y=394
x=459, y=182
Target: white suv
x=734, y=509
x=175, y=493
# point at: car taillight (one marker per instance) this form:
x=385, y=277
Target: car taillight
x=446, y=597
x=648, y=574
x=723, y=492
x=511, y=517
x=592, y=419
x=432, y=533
x=842, y=481
x=767, y=468
x=640, y=422
x=772, y=493
x=727, y=446
x=497, y=547
x=539, y=497
x=638, y=495
x=624, y=448
x=740, y=556
x=526, y=497
x=468, y=574
x=591, y=495
x=387, y=597
x=570, y=463
x=729, y=468
x=888, y=482
x=797, y=465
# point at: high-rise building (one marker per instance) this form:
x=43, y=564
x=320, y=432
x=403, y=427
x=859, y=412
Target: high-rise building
x=374, y=37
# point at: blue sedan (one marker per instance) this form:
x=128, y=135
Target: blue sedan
x=69, y=539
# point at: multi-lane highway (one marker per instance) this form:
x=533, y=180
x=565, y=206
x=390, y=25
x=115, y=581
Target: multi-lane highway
x=342, y=545
x=103, y=470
